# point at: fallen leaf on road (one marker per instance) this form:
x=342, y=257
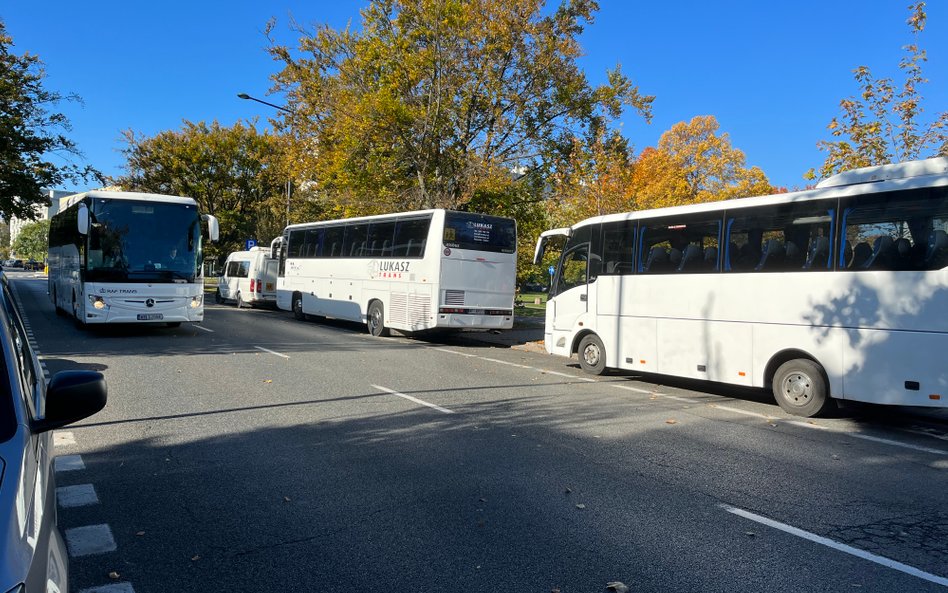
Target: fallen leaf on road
x=195, y=558
x=268, y=380
x=568, y=490
x=114, y=575
x=140, y=533
x=286, y=499
x=671, y=421
x=617, y=586
x=580, y=506
x=750, y=534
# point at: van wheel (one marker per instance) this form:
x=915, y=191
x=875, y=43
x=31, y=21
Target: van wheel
x=298, y=307
x=592, y=355
x=375, y=320
x=800, y=388
x=240, y=301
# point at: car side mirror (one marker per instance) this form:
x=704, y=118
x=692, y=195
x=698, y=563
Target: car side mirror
x=70, y=397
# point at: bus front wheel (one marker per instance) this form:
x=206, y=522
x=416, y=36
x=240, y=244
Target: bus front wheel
x=800, y=388
x=592, y=355
x=376, y=320
x=298, y=307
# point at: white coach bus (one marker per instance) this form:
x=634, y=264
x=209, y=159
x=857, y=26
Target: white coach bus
x=840, y=292
x=121, y=257
x=412, y=271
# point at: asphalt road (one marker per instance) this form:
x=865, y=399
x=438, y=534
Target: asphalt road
x=262, y=453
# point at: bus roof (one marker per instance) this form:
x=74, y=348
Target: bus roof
x=357, y=218
x=908, y=175
x=126, y=195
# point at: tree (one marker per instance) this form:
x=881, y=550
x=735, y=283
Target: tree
x=33, y=241
x=234, y=173
x=31, y=134
x=693, y=164
x=883, y=124
x=430, y=101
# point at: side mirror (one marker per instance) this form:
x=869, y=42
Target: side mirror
x=213, y=227
x=275, y=247
x=70, y=397
x=83, y=219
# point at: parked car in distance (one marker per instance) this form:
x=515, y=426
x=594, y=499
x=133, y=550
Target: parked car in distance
x=249, y=278
x=33, y=556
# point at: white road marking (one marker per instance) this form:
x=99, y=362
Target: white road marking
x=866, y=437
x=271, y=352
x=111, y=588
x=89, y=540
x=62, y=439
x=68, y=463
x=81, y=495
x=881, y=560
x=202, y=328
x=414, y=399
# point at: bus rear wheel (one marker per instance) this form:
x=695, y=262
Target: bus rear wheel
x=375, y=320
x=800, y=388
x=592, y=355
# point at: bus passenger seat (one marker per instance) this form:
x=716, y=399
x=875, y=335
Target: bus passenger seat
x=690, y=258
x=937, y=249
x=793, y=257
x=902, y=254
x=674, y=258
x=771, y=256
x=711, y=258
x=819, y=254
x=880, y=253
x=861, y=254
x=657, y=256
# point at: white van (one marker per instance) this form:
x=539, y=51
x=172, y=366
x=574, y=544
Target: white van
x=249, y=278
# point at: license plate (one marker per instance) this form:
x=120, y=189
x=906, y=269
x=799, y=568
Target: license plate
x=150, y=316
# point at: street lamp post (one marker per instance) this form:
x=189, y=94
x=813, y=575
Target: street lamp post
x=290, y=111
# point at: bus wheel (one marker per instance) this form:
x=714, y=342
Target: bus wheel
x=376, y=320
x=298, y=307
x=79, y=323
x=800, y=389
x=592, y=355
x=59, y=310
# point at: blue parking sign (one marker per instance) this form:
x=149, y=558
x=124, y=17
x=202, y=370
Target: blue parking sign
x=251, y=243
x=551, y=270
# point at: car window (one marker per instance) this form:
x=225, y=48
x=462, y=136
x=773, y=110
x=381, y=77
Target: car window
x=21, y=347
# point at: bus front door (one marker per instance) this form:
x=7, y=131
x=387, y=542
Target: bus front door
x=571, y=296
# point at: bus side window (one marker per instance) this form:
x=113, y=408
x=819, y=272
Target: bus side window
x=787, y=238
x=618, y=241
x=897, y=230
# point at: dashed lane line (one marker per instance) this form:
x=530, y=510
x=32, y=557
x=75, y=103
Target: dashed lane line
x=80, y=495
x=271, y=352
x=202, y=328
x=841, y=547
x=89, y=540
x=414, y=399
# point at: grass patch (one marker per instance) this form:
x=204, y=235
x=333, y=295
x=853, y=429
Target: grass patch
x=532, y=304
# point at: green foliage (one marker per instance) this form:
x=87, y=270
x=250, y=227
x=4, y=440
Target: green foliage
x=29, y=134
x=33, y=241
x=234, y=173
x=430, y=101
x=882, y=125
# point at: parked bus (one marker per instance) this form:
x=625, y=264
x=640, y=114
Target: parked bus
x=412, y=271
x=839, y=292
x=117, y=257
x=248, y=278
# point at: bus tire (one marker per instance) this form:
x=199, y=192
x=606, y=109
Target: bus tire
x=800, y=388
x=592, y=355
x=79, y=323
x=59, y=310
x=298, y=307
x=375, y=320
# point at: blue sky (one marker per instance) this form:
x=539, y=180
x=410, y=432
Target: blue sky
x=772, y=73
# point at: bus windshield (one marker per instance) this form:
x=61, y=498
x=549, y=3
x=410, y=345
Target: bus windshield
x=478, y=232
x=133, y=241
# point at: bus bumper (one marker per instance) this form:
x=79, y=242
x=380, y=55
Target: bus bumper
x=457, y=320
x=174, y=310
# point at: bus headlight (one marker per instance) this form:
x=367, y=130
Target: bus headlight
x=97, y=301
x=196, y=301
